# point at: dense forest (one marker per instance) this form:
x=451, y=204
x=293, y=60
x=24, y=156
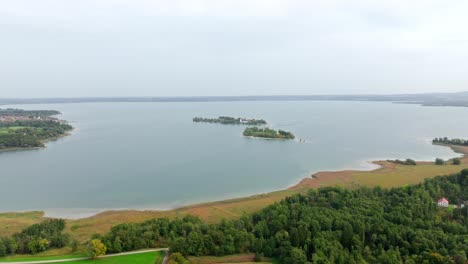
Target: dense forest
x=329, y=225
x=454, y=141
x=36, y=238
x=227, y=120
x=267, y=133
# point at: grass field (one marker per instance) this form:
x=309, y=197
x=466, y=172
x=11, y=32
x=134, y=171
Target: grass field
x=14, y=222
x=53, y=254
x=143, y=258
x=389, y=175
x=5, y=130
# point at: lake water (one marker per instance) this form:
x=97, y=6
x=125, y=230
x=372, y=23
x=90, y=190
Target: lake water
x=152, y=156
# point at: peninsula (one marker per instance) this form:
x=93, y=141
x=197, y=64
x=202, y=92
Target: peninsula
x=267, y=133
x=22, y=129
x=227, y=120
x=447, y=141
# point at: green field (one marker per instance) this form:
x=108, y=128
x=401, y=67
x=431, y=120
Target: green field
x=143, y=258
x=52, y=254
x=6, y=130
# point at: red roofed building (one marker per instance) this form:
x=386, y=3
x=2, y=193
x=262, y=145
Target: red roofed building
x=443, y=202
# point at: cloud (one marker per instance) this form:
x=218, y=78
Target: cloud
x=221, y=46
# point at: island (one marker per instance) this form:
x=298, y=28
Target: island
x=227, y=120
x=267, y=133
x=22, y=129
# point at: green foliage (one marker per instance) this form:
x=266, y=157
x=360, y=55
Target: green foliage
x=329, y=225
x=30, y=133
x=28, y=113
x=267, y=133
x=74, y=245
x=3, y=249
x=96, y=248
x=38, y=245
x=177, y=258
x=455, y=141
x=439, y=161
x=227, y=120
x=37, y=238
x=409, y=162
x=456, y=161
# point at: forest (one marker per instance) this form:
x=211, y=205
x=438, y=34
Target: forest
x=267, y=133
x=30, y=133
x=36, y=238
x=227, y=120
x=329, y=225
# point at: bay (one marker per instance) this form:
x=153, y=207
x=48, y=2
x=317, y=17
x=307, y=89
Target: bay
x=152, y=156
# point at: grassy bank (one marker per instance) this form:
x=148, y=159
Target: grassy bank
x=389, y=175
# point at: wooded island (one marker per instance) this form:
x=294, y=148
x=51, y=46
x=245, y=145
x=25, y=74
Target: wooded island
x=267, y=133
x=227, y=120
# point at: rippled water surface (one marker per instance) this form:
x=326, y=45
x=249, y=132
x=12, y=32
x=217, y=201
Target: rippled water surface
x=152, y=156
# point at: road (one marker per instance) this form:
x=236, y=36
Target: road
x=105, y=256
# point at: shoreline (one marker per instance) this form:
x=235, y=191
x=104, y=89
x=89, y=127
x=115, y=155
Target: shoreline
x=320, y=179
x=45, y=142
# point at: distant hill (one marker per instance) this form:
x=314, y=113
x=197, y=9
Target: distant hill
x=427, y=99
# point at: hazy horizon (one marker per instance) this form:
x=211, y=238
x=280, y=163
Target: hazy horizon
x=231, y=95
x=123, y=48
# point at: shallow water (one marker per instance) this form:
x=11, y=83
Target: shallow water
x=152, y=156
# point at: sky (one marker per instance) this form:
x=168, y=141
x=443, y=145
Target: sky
x=98, y=48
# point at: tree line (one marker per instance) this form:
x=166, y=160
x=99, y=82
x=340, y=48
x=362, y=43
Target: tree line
x=267, y=133
x=409, y=162
x=454, y=141
x=30, y=133
x=227, y=120
x=329, y=225
x=36, y=238
x=30, y=113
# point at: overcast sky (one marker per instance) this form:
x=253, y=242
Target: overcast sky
x=60, y=48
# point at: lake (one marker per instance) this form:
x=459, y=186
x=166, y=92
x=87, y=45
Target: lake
x=152, y=156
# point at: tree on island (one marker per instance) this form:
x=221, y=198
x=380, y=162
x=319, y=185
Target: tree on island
x=456, y=161
x=439, y=161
